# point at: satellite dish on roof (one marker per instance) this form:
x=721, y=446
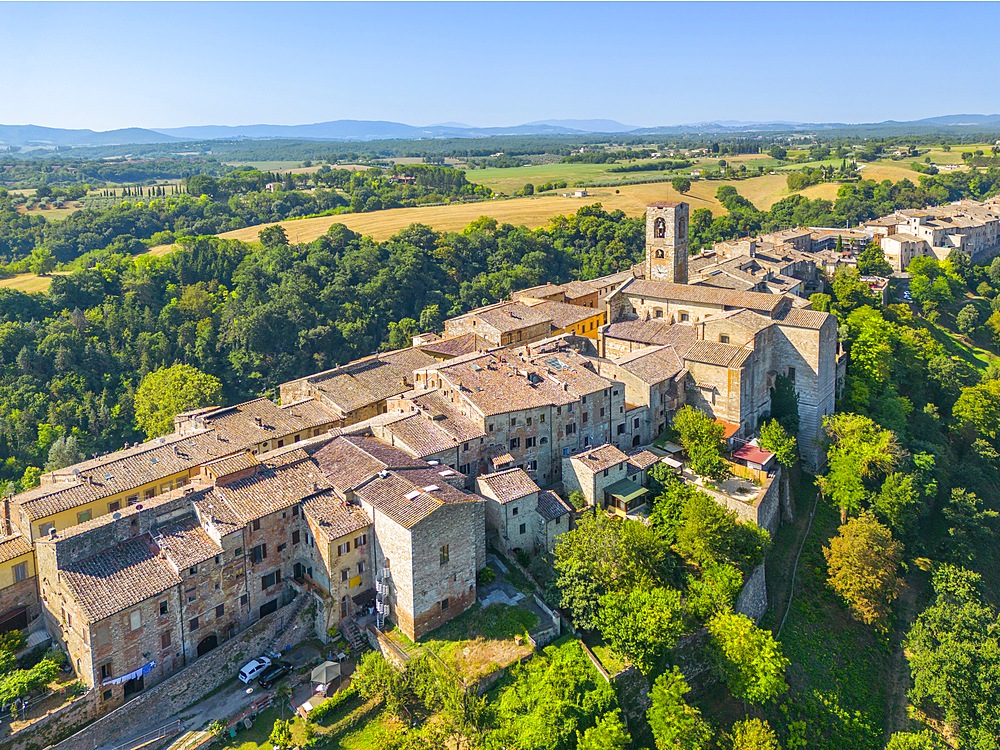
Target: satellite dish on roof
x=116, y=515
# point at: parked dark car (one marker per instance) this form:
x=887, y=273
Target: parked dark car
x=272, y=674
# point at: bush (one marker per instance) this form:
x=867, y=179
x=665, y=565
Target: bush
x=332, y=703
x=485, y=576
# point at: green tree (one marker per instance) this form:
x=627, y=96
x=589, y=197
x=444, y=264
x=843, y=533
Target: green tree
x=602, y=555
x=859, y=451
x=164, y=393
x=850, y=291
x=281, y=735
x=609, y=733
x=899, y=504
x=872, y=262
x=979, y=407
x=42, y=261
x=954, y=654
x=863, y=560
x=923, y=740
x=64, y=452
x=785, y=404
x=967, y=319
x=528, y=189
x=641, y=624
x=707, y=533
x=273, y=236
x=675, y=724
x=375, y=677
x=747, y=658
x=753, y=734
x=968, y=524
x=774, y=438
x=218, y=729
x=681, y=184
x=701, y=437
x=714, y=591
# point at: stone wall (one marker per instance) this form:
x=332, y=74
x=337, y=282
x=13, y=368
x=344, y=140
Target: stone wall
x=752, y=600
x=765, y=511
x=194, y=682
x=50, y=728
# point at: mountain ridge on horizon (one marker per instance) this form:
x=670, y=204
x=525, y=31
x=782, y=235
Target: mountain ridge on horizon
x=37, y=136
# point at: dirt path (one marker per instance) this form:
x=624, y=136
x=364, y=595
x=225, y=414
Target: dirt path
x=898, y=680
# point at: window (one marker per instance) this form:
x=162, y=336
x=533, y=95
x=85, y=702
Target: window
x=220, y=610
x=532, y=466
x=343, y=549
x=166, y=487
x=791, y=374
x=491, y=428
x=243, y=600
x=131, y=499
x=106, y=671
x=193, y=570
x=513, y=421
x=444, y=604
x=541, y=419
x=521, y=529
x=237, y=552
x=515, y=442
x=296, y=537
x=360, y=541
x=135, y=619
x=569, y=408
x=20, y=572
x=444, y=554
x=544, y=440
x=106, y=695
x=571, y=428
x=281, y=443
x=465, y=468
x=602, y=411
x=295, y=510
x=258, y=553
x=528, y=421
x=585, y=417
x=164, y=607
x=192, y=594
x=115, y=506
x=255, y=525
x=723, y=338
x=605, y=472
x=621, y=429
x=165, y=640
x=635, y=423
x=282, y=547
x=513, y=511
x=361, y=567
x=583, y=400
x=271, y=579
x=530, y=442
x=45, y=528
x=193, y=624
x=344, y=575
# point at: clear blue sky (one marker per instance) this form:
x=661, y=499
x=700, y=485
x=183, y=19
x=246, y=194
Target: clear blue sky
x=114, y=65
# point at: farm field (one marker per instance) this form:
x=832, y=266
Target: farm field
x=28, y=282
x=535, y=211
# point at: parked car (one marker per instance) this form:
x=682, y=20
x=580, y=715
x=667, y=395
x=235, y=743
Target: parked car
x=275, y=672
x=253, y=668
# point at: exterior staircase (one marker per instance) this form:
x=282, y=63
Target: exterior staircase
x=353, y=635
x=294, y=611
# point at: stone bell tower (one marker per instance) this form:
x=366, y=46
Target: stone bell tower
x=667, y=242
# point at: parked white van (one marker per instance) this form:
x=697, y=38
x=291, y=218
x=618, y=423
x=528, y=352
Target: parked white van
x=253, y=668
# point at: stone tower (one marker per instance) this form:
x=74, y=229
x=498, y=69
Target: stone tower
x=667, y=242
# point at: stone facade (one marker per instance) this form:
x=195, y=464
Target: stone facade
x=752, y=599
x=667, y=242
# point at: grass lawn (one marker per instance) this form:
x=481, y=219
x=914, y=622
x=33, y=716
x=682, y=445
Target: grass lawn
x=479, y=641
x=28, y=282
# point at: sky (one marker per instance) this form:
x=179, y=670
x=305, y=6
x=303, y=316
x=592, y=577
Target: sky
x=112, y=65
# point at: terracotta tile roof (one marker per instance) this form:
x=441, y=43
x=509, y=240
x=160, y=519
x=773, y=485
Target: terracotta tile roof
x=509, y=485
x=563, y=314
x=551, y=506
x=261, y=420
x=222, y=467
x=456, y=345
x=126, y=471
x=448, y=416
x=351, y=460
x=753, y=454
x=767, y=303
x=12, y=546
x=421, y=435
x=120, y=578
x=510, y=316
x=500, y=382
x=576, y=289
x=309, y=413
x=370, y=380
x=601, y=458
x=664, y=204
x=653, y=332
x=281, y=482
x=652, y=364
x=409, y=496
x=728, y=281
x=714, y=353
x=643, y=459
x=335, y=517
x=803, y=318
x=185, y=543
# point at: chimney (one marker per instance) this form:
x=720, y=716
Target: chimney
x=5, y=527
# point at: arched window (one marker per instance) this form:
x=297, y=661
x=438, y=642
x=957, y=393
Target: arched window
x=659, y=252
x=659, y=228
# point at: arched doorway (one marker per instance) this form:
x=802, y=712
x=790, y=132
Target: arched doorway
x=207, y=644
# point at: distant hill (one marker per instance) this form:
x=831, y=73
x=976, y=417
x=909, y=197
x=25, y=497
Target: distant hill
x=36, y=135
x=25, y=137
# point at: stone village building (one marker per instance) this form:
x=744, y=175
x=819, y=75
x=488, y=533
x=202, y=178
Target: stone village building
x=357, y=489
